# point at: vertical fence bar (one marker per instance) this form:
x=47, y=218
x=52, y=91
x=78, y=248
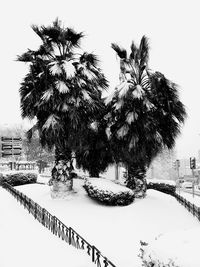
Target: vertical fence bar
x=43, y=216
x=198, y=216
x=93, y=253
x=70, y=235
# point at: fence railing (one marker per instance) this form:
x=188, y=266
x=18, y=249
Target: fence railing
x=189, y=206
x=58, y=228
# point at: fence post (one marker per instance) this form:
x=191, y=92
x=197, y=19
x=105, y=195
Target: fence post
x=53, y=226
x=93, y=253
x=198, y=214
x=35, y=211
x=43, y=216
x=70, y=235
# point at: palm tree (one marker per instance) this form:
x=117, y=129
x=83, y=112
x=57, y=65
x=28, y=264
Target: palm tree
x=61, y=90
x=146, y=114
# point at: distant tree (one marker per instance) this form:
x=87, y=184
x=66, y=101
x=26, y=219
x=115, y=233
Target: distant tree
x=61, y=90
x=146, y=114
x=33, y=150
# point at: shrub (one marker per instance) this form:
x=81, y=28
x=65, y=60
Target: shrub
x=165, y=186
x=108, y=192
x=15, y=178
x=148, y=261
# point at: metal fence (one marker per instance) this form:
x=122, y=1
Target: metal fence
x=58, y=228
x=189, y=206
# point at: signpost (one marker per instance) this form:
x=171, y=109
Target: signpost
x=192, y=167
x=176, y=167
x=11, y=146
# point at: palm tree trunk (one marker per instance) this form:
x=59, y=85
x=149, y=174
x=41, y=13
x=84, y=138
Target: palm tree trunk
x=136, y=180
x=61, y=179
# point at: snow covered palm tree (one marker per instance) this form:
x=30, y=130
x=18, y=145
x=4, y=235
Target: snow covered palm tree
x=146, y=114
x=62, y=91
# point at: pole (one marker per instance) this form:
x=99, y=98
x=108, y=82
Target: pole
x=179, y=184
x=116, y=171
x=193, y=182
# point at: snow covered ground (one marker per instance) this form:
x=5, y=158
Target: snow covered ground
x=24, y=242
x=115, y=231
x=192, y=199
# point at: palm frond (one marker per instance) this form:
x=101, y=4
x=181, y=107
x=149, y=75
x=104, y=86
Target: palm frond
x=47, y=95
x=89, y=59
x=109, y=98
x=123, y=88
x=123, y=131
x=31, y=131
x=55, y=68
x=51, y=122
x=121, y=52
x=138, y=92
x=134, y=50
x=69, y=68
x=73, y=37
x=130, y=117
x=144, y=51
x=62, y=87
x=38, y=31
x=86, y=96
x=26, y=57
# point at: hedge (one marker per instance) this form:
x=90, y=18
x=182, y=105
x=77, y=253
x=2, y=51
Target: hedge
x=168, y=187
x=108, y=192
x=15, y=178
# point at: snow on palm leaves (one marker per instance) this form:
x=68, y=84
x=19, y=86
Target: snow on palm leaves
x=143, y=103
x=63, y=83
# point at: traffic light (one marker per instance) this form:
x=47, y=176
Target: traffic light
x=192, y=163
x=176, y=164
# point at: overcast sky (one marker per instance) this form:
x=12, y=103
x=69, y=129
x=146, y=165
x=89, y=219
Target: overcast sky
x=172, y=27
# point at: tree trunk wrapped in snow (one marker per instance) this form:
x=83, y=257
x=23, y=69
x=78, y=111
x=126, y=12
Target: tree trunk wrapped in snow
x=136, y=181
x=62, y=175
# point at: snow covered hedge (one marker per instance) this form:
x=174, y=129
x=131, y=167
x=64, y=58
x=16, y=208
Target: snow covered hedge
x=108, y=192
x=15, y=178
x=165, y=186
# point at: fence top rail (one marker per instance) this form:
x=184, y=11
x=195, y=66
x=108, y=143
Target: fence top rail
x=94, y=247
x=187, y=202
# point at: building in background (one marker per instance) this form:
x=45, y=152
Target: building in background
x=162, y=166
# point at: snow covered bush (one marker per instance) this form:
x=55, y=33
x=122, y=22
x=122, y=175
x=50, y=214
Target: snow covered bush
x=150, y=261
x=173, y=249
x=108, y=192
x=18, y=177
x=165, y=186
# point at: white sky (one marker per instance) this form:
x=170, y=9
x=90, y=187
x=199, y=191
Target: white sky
x=172, y=27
